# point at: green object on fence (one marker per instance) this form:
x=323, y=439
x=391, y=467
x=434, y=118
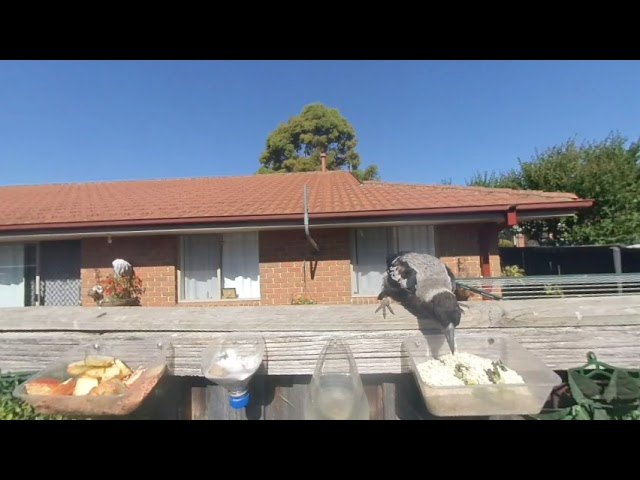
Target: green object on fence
x=599, y=391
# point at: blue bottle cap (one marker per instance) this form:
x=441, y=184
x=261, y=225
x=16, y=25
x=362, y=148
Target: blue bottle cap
x=240, y=401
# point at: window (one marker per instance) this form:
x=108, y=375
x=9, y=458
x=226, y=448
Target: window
x=211, y=263
x=17, y=275
x=370, y=249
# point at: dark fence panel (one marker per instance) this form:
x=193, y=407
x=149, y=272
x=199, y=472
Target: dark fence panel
x=570, y=260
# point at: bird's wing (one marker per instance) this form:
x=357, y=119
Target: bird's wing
x=452, y=278
x=432, y=276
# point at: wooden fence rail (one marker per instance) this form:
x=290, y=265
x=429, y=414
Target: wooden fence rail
x=559, y=331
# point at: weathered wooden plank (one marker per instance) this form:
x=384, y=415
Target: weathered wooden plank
x=198, y=405
x=559, y=331
x=406, y=401
x=376, y=401
x=376, y=352
x=285, y=397
x=321, y=318
x=218, y=405
x=169, y=400
x=578, y=312
x=567, y=312
x=389, y=400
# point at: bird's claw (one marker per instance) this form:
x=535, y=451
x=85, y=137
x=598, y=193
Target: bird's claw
x=384, y=305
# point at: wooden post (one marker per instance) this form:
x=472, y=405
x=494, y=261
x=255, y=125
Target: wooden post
x=617, y=265
x=484, y=241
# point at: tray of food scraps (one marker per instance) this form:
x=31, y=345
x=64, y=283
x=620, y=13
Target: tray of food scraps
x=488, y=375
x=98, y=379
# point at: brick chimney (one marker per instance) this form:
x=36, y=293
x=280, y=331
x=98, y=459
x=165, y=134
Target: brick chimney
x=323, y=156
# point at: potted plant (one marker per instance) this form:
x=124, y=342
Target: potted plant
x=121, y=288
x=304, y=299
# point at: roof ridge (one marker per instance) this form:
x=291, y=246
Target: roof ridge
x=171, y=179
x=471, y=187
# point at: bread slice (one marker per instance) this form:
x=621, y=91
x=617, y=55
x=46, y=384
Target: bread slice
x=131, y=379
x=96, y=372
x=99, y=361
x=84, y=386
x=42, y=386
x=110, y=387
x=110, y=372
x=65, y=388
x=125, y=371
x=77, y=368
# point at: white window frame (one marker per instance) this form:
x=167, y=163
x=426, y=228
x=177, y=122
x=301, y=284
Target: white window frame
x=393, y=234
x=219, y=274
x=25, y=279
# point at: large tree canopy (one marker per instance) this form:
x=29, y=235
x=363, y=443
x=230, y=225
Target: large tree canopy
x=607, y=171
x=296, y=146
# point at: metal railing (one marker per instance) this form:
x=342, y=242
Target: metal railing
x=548, y=286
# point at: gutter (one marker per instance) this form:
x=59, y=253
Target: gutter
x=306, y=218
x=365, y=214
x=77, y=233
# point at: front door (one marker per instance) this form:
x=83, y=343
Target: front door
x=60, y=264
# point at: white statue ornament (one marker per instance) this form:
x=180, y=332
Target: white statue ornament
x=122, y=268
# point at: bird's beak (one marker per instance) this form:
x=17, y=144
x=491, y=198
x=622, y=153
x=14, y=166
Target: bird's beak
x=450, y=335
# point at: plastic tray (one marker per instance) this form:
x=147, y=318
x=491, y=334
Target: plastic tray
x=483, y=400
x=154, y=357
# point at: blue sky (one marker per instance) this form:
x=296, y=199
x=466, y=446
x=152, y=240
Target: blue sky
x=420, y=121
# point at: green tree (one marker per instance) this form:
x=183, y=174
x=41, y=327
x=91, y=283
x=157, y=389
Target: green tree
x=607, y=171
x=296, y=146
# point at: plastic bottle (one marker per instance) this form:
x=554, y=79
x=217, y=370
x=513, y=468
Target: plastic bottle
x=231, y=360
x=336, y=391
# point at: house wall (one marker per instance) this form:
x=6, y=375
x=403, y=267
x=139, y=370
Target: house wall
x=459, y=248
x=289, y=267
x=154, y=259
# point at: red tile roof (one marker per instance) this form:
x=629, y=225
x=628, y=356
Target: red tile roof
x=251, y=197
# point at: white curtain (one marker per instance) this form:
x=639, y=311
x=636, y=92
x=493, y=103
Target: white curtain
x=371, y=256
x=200, y=263
x=12, y=283
x=241, y=263
x=417, y=239
x=373, y=245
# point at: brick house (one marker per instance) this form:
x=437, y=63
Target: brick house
x=242, y=240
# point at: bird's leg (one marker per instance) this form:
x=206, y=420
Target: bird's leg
x=384, y=305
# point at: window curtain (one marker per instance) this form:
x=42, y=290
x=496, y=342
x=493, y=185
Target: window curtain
x=373, y=245
x=241, y=263
x=371, y=256
x=200, y=263
x=417, y=239
x=12, y=283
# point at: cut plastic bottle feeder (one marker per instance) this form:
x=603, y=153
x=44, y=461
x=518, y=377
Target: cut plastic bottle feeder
x=231, y=360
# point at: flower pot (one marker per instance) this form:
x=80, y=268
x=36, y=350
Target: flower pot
x=121, y=302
